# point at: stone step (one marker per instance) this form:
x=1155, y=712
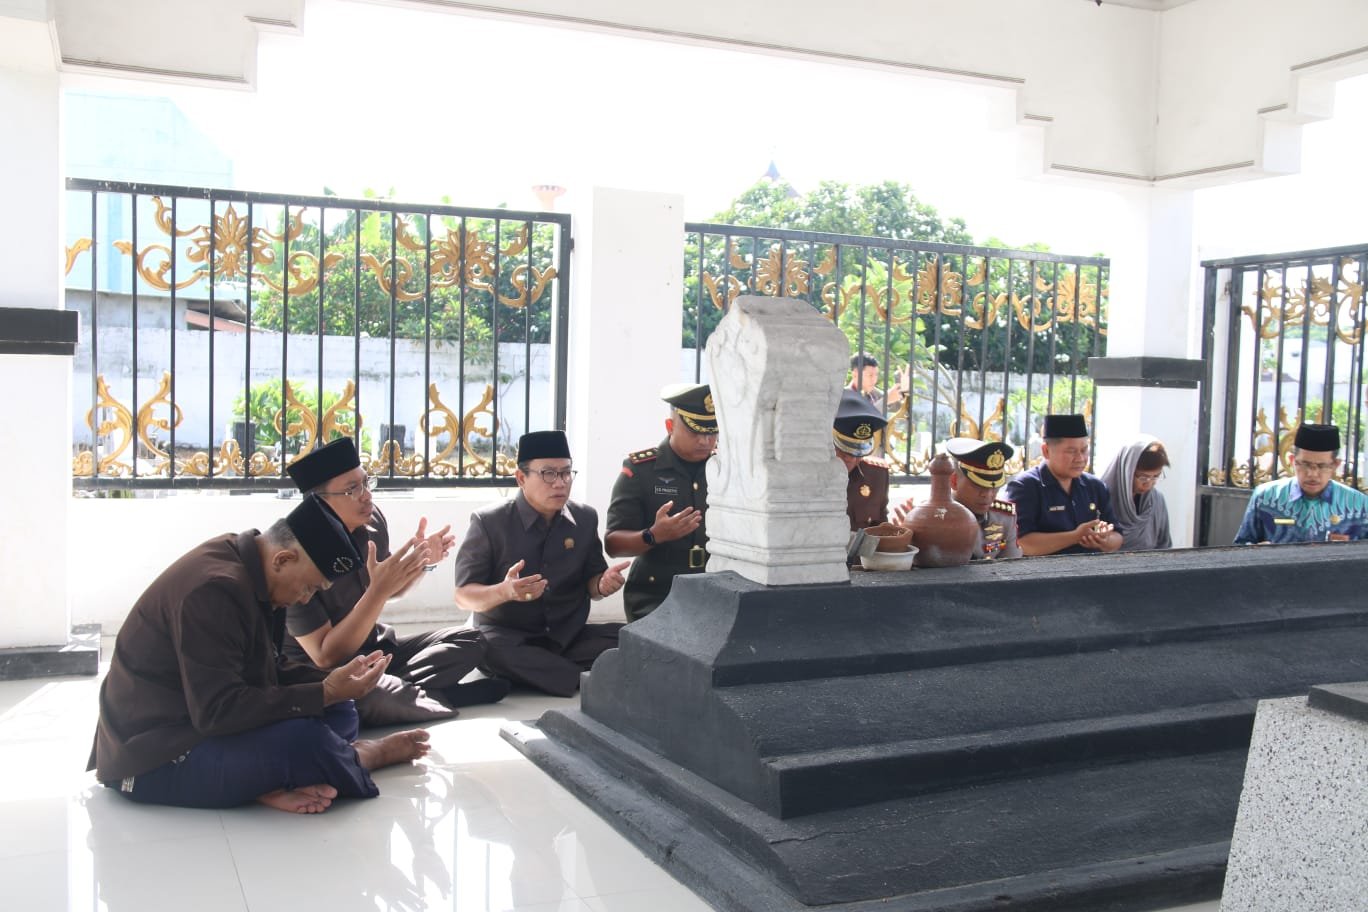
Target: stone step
x=1133, y=835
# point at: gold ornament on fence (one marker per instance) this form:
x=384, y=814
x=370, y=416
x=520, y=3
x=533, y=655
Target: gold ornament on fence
x=233, y=251
x=293, y=419
x=1279, y=307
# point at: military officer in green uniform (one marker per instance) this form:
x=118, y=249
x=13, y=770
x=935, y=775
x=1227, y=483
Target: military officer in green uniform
x=659, y=500
x=982, y=472
x=857, y=424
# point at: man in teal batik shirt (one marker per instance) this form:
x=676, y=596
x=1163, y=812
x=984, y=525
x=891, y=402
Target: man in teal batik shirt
x=1312, y=506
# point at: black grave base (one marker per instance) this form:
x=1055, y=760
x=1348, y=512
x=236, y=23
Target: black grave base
x=1061, y=733
x=80, y=655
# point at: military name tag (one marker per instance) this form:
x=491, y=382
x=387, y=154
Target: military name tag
x=1284, y=521
x=662, y=489
x=1056, y=509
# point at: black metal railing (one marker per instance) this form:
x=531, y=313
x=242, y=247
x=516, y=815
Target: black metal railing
x=970, y=341
x=1283, y=343
x=224, y=333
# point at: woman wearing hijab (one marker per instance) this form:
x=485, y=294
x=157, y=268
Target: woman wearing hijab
x=1141, y=518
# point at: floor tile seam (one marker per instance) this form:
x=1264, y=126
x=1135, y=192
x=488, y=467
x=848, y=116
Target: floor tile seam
x=232, y=859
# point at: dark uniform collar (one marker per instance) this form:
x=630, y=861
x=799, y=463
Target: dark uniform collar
x=528, y=516
x=1047, y=477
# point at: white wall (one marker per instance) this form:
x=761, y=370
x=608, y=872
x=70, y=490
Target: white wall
x=1221, y=62
x=35, y=457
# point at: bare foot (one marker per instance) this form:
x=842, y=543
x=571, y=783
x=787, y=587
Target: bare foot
x=392, y=749
x=311, y=799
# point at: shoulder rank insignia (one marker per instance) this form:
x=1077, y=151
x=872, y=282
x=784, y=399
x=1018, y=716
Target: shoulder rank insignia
x=877, y=462
x=641, y=456
x=1004, y=506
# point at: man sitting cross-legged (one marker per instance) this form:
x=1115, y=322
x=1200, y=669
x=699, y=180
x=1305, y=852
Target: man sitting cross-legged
x=200, y=710
x=528, y=569
x=423, y=682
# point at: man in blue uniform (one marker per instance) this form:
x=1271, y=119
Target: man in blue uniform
x=1311, y=506
x=858, y=423
x=1061, y=509
x=657, y=512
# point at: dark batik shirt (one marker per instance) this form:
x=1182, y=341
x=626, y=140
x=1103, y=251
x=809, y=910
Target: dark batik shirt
x=331, y=605
x=567, y=552
x=1042, y=505
x=196, y=658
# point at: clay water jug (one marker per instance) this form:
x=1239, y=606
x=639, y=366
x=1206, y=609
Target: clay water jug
x=943, y=530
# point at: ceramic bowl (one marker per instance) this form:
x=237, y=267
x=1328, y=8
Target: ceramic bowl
x=884, y=560
x=893, y=539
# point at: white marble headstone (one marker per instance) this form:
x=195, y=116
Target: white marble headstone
x=776, y=491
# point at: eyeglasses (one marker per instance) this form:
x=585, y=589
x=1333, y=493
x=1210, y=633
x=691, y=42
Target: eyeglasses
x=354, y=489
x=1314, y=466
x=550, y=475
x=1148, y=477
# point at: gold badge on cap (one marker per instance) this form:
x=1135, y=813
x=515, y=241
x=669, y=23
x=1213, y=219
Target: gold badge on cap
x=708, y=403
x=864, y=432
x=996, y=461
x=569, y=543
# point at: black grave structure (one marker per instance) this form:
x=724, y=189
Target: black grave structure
x=1064, y=733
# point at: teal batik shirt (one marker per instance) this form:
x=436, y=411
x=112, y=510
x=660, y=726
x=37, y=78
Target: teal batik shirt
x=1279, y=513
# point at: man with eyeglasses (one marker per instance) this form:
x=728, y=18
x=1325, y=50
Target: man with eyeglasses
x=1060, y=508
x=426, y=670
x=200, y=710
x=1311, y=505
x=658, y=509
x=528, y=569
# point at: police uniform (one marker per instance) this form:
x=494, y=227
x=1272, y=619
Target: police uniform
x=1042, y=505
x=983, y=464
x=858, y=422
x=650, y=478
x=1279, y=511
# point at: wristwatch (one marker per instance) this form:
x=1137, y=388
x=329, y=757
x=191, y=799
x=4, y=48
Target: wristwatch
x=648, y=537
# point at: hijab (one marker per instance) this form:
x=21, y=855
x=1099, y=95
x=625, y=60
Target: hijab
x=1142, y=521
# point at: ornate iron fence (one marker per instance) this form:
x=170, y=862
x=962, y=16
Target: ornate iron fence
x=985, y=341
x=1283, y=344
x=224, y=333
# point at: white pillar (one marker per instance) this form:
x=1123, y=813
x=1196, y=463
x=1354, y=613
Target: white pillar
x=35, y=460
x=1156, y=313
x=628, y=274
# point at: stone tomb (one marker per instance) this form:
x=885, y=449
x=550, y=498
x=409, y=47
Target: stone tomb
x=1052, y=734
x=1048, y=734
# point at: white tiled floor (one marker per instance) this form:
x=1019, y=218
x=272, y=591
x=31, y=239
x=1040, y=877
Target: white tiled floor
x=474, y=827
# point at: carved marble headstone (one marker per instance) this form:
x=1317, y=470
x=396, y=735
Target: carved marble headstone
x=776, y=492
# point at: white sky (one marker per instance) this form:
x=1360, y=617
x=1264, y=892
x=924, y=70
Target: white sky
x=479, y=110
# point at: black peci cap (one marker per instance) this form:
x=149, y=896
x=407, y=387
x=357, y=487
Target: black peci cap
x=323, y=537
x=323, y=464
x=1064, y=426
x=543, y=445
x=1318, y=438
